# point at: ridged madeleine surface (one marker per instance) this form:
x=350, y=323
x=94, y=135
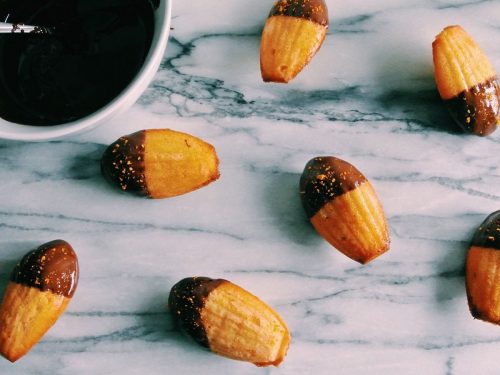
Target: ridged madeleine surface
x=344, y=208
x=292, y=35
x=160, y=163
x=40, y=288
x=26, y=315
x=229, y=320
x=466, y=81
x=355, y=224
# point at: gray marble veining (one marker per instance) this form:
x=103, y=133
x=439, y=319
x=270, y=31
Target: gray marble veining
x=368, y=97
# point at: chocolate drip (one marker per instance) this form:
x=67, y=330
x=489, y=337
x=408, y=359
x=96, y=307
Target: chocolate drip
x=488, y=234
x=123, y=163
x=477, y=110
x=51, y=267
x=186, y=301
x=312, y=10
x=324, y=179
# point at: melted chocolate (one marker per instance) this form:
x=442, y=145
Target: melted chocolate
x=488, y=234
x=477, y=110
x=324, y=179
x=186, y=301
x=312, y=10
x=122, y=163
x=95, y=50
x=51, y=267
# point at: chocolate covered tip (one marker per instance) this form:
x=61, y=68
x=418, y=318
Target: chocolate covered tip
x=51, y=267
x=488, y=233
x=312, y=10
x=477, y=110
x=325, y=178
x=186, y=301
x=122, y=163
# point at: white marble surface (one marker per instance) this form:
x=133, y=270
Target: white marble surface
x=368, y=97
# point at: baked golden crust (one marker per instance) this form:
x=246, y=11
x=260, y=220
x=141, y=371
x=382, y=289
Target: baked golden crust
x=459, y=63
x=229, y=320
x=344, y=208
x=26, y=314
x=354, y=223
x=177, y=163
x=483, y=283
x=288, y=44
x=466, y=81
x=160, y=163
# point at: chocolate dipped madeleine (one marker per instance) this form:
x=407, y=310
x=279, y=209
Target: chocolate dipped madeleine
x=466, y=81
x=292, y=35
x=482, y=272
x=160, y=163
x=40, y=288
x=343, y=207
x=228, y=320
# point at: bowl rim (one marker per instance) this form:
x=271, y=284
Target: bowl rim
x=129, y=95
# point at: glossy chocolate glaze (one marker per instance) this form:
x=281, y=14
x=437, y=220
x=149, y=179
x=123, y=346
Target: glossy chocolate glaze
x=477, y=110
x=324, y=179
x=51, y=267
x=186, y=301
x=122, y=163
x=312, y=10
x=95, y=50
x=488, y=234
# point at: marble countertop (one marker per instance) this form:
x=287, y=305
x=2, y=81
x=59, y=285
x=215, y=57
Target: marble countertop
x=368, y=97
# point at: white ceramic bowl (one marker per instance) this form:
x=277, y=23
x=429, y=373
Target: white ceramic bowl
x=10, y=130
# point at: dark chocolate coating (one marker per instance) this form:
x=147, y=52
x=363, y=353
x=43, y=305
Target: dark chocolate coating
x=94, y=53
x=477, y=110
x=186, y=301
x=324, y=179
x=51, y=267
x=122, y=163
x=488, y=234
x=312, y=10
